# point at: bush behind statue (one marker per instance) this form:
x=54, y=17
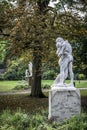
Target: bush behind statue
x=49, y=74
x=25, y=87
x=81, y=77
x=15, y=70
x=46, y=86
x=21, y=87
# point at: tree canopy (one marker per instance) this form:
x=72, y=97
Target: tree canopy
x=34, y=26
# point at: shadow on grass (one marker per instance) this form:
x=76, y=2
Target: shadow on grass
x=29, y=104
x=84, y=103
x=24, y=101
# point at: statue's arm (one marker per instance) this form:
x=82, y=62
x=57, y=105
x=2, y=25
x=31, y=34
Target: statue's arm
x=58, y=51
x=61, y=52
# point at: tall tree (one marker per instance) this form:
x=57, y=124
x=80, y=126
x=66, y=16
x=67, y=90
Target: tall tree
x=34, y=36
x=35, y=26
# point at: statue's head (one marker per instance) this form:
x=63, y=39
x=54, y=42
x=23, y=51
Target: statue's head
x=59, y=41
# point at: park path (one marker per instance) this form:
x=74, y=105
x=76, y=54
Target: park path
x=28, y=91
x=20, y=92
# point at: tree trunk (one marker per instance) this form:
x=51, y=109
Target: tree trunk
x=36, y=90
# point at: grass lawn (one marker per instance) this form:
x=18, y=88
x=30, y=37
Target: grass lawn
x=7, y=86
x=33, y=106
x=81, y=84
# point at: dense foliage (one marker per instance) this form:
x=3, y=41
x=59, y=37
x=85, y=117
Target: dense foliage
x=34, y=26
x=15, y=70
x=22, y=121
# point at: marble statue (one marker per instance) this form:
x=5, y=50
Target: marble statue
x=26, y=73
x=64, y=52
x=64, y=99
x=30, y=66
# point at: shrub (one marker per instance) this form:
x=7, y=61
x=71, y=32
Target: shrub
x=1, y=77
x=14, y=121
x=15, y=70
x=49, y=74
x=22, y=121
x=81, y=76
x=21, y=86
x=10, y=76
x=46, y=86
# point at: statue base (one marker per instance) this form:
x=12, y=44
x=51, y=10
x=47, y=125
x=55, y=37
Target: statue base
x=64, y=102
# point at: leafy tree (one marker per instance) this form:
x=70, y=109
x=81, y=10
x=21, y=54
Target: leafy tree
x=33, y=37
x=15, y=69
x=35, y=26
x=80, y=56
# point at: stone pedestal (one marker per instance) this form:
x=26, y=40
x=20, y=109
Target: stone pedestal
x=64, y=102
x=29, y=80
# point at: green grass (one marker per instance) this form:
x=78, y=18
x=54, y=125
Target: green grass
x=82, y=84
x=49, y=82
x=6, y=86
x=33, y=118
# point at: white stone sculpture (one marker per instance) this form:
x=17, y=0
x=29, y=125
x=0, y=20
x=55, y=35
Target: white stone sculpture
x=64, y=52
x=30, y=66
x=64, y=99
x=26, y=73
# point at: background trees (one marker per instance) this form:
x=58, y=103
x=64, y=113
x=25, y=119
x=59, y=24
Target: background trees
x=33, y=27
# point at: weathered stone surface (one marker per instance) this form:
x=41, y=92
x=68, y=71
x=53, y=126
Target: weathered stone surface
x=64, y=103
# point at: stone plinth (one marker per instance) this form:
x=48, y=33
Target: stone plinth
x=64, y=102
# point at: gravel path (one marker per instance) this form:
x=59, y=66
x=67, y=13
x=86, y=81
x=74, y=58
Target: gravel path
x=28, y=91
x=21, y=92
